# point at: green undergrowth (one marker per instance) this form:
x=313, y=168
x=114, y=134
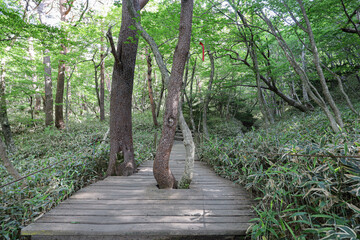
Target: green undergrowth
x=82, y=162
x=299, y=197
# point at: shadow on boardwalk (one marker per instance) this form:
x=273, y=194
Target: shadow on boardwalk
x=134, y=208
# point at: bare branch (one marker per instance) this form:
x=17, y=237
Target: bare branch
x=159, y=59
x=112, y=45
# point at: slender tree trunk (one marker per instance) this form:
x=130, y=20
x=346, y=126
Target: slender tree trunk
x=311, y=90
x=319, y=70
x=151, y=95
x=59, y=99
x=303, y=61
x=187, y=176
x=102, y=83
x=252, y=49
x=121, y=141
x=48, y=90
x=5, y=125
x=207, y=96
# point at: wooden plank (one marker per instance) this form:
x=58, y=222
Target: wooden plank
x=141, y=219
x=160, y=201
x=166, y=229
x=149, y=212
x=156, y=206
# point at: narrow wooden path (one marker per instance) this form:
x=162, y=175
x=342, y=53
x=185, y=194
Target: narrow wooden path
x=134, y=208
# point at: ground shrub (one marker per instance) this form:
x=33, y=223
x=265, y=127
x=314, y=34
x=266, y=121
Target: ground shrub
x=300, y=197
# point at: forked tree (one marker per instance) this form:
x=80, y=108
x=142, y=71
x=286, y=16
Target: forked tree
x=161, y=168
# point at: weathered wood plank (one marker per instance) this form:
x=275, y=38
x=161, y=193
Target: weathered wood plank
x=149, y=212
x=141, y=219
x=158, y=206
x=166, y=229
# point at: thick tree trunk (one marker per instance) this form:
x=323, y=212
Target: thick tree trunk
x=48, y=90
x=207, y=96
x=5, y=125
x=151, y=95
x=162, y=172
x=121, y=141
x=102, y=83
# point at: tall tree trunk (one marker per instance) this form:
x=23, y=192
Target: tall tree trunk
x=207, y=96
x=319, y=70
x=102, y=82
x=5, y=125
x=162, y=172
x=151, y=95
x=121, y=141
x=48, y=90
x=59, y=99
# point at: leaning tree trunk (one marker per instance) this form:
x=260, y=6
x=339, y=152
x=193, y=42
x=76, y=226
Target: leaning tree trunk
x=121, y=141
x=162, y=172
x=5, y=125
x=316, y=60
x=311, y=90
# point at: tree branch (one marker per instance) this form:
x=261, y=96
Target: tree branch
x=158, y=57
x=112, y=45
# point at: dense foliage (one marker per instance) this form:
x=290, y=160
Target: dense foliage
x=303, y=197
x=80, y=159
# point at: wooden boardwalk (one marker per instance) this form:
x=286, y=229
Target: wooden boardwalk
x=134, y=208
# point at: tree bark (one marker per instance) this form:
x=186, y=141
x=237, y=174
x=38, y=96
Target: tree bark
x=187, y=176
x=162, y=172
x=59, y=98
x=5, y=125
x=151, y=95
x=121, y=140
